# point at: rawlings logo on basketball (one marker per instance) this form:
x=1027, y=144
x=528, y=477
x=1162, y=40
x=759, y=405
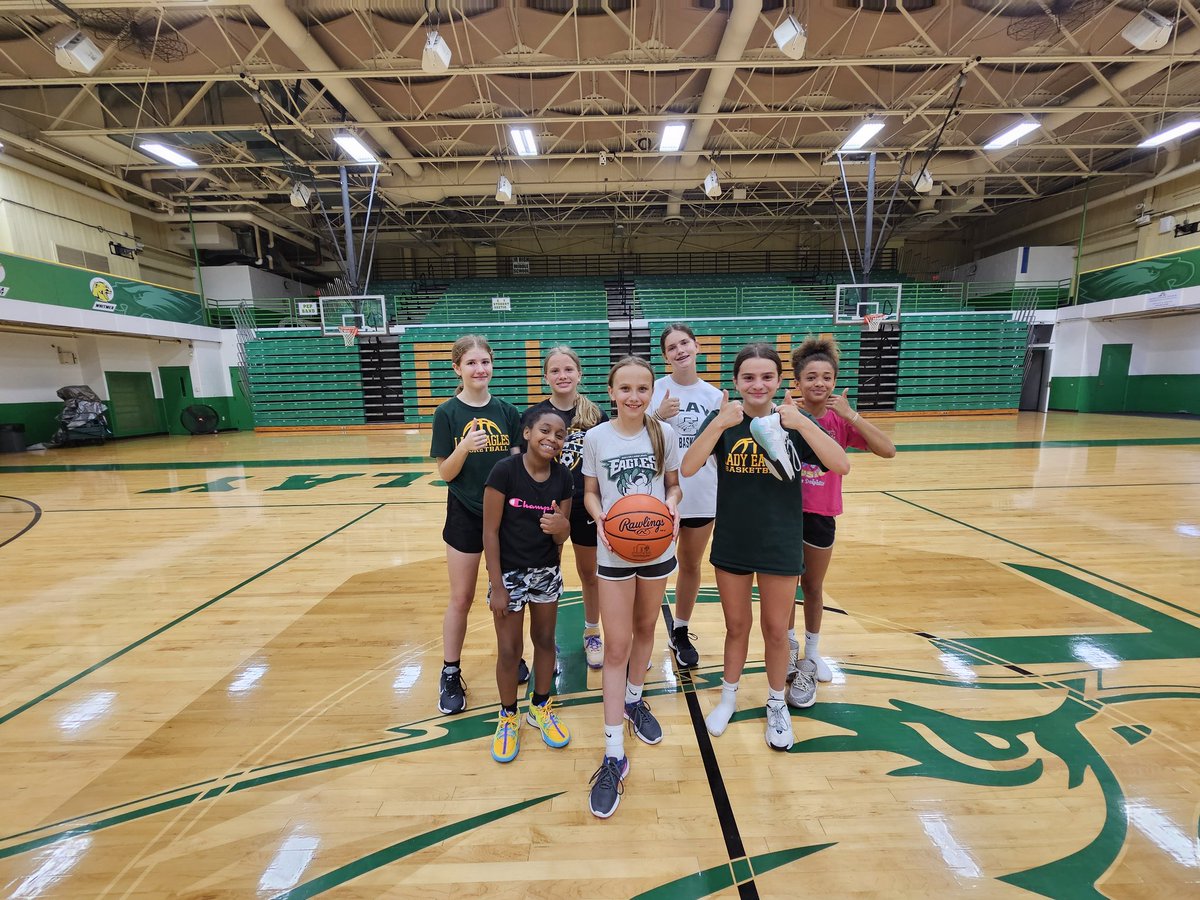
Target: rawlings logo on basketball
x=497, y=440
x=639, y=528
x=746, y=458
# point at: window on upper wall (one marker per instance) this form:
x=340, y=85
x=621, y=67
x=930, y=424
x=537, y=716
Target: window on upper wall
x=72, y=256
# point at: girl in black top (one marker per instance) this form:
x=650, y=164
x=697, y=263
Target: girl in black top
x=526, y=516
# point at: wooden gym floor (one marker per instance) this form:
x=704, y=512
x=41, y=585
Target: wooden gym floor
x=219, y=662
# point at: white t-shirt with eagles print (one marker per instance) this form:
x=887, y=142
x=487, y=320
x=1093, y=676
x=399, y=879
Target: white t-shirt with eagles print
x=625, y=465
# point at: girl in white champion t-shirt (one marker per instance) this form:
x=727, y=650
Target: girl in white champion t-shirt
x=683, y=400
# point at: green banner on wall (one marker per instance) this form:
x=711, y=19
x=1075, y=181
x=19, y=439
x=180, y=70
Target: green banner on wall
x=37, y=281
x=1146, y=276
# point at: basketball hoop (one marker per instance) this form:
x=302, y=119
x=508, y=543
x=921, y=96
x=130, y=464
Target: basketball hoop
x=349, y=333
x=873, y=321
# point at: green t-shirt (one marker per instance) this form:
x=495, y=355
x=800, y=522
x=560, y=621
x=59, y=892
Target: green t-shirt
x=759, y=524
x=452, y=421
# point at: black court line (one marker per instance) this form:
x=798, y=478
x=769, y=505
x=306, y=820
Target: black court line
x=37, y=515
x=716, y=783
x=1026, y=487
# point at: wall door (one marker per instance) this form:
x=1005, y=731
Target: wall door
x=177, y=394
x=1114, y=378
x=133, y=408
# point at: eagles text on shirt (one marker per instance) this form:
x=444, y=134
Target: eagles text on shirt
x=631, y=472
x=497, y=438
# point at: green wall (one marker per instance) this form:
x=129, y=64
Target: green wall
x=40, y=419
x=1142, y=393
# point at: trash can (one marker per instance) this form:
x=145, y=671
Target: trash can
x=12, y=437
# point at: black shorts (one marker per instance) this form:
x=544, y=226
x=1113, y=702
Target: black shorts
x=646, y=573
x=463, y=529
x=696, y=521
x=819, y=531
x=583, y=527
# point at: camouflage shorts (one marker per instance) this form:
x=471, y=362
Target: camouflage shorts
x=539, y=585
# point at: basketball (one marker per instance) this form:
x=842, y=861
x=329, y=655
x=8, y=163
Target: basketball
x=639, y=528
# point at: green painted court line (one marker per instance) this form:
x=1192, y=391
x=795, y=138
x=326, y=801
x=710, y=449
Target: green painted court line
x=1051, y=445
x=188, y=509
x=1032, y=487
x=425, y=460
x=185, y=616
x=222, y=464
x=1061, y=562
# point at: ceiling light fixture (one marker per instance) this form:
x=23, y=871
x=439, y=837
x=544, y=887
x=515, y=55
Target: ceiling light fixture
x=169, y=154
x=712, y=185
x=791, y=38
x=523, y=141
x=672, y=137
x=1012, y=134
x=503, y=190
x=1148, y=30
x=1170, y=134
x=435, y=58
x=353, y=147
x=863, y=133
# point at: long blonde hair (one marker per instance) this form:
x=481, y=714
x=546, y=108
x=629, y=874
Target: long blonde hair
x=460, y=348
x=653, y=427
x=587, y=413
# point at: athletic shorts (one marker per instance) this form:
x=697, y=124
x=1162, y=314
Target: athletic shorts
x=646, y=573
x=543, y=584
x=819, y=531
x=696, y=521
x=463, y=529
x=583, y=526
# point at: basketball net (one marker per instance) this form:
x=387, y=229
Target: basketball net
x=349, y=333
x=873, y=321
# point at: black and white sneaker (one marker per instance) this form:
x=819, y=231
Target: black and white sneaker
x=453, y=697
x=523, y=672
x=608, y=783
x=680, y=643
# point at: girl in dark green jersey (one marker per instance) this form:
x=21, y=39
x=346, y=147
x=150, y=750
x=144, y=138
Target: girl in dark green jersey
x=759, y=530
x=472, y=431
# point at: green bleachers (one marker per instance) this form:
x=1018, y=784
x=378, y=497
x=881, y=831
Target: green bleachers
x=298, y=380
x=960, y=362
x=531, y=299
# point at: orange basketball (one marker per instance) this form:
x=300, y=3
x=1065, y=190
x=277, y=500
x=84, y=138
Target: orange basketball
x=639, y=528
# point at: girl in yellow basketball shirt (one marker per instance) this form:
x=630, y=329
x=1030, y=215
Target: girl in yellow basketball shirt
x=759, y=530
x=631, y=454
x=472, y=431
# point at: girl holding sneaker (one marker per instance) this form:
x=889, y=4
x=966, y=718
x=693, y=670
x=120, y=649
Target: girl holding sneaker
x=815, y=367
x=526, y=516
x=683, y=401
x=563, y=372
x=632, y=454
x=759, y=448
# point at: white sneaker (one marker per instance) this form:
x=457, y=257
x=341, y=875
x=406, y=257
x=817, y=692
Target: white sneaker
x=802, y=692
x=779, y=726
x=769, y=433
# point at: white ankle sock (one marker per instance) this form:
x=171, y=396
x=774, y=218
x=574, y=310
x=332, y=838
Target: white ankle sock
x=774, y=696
x=718, y=720
x=587, y=624
x=791, y=635
x=614, y=740
x=680, y=623
x=632, y=694
x=810, y=644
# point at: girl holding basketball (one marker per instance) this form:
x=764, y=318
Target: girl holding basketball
x=758, y=536
x=526, y=516
x=684, y=401
x=632, y=454
x=815, y=367
x=472, y=431
x=563, y=373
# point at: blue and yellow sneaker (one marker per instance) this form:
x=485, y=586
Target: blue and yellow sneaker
x=507, y=741
x=545, y=719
